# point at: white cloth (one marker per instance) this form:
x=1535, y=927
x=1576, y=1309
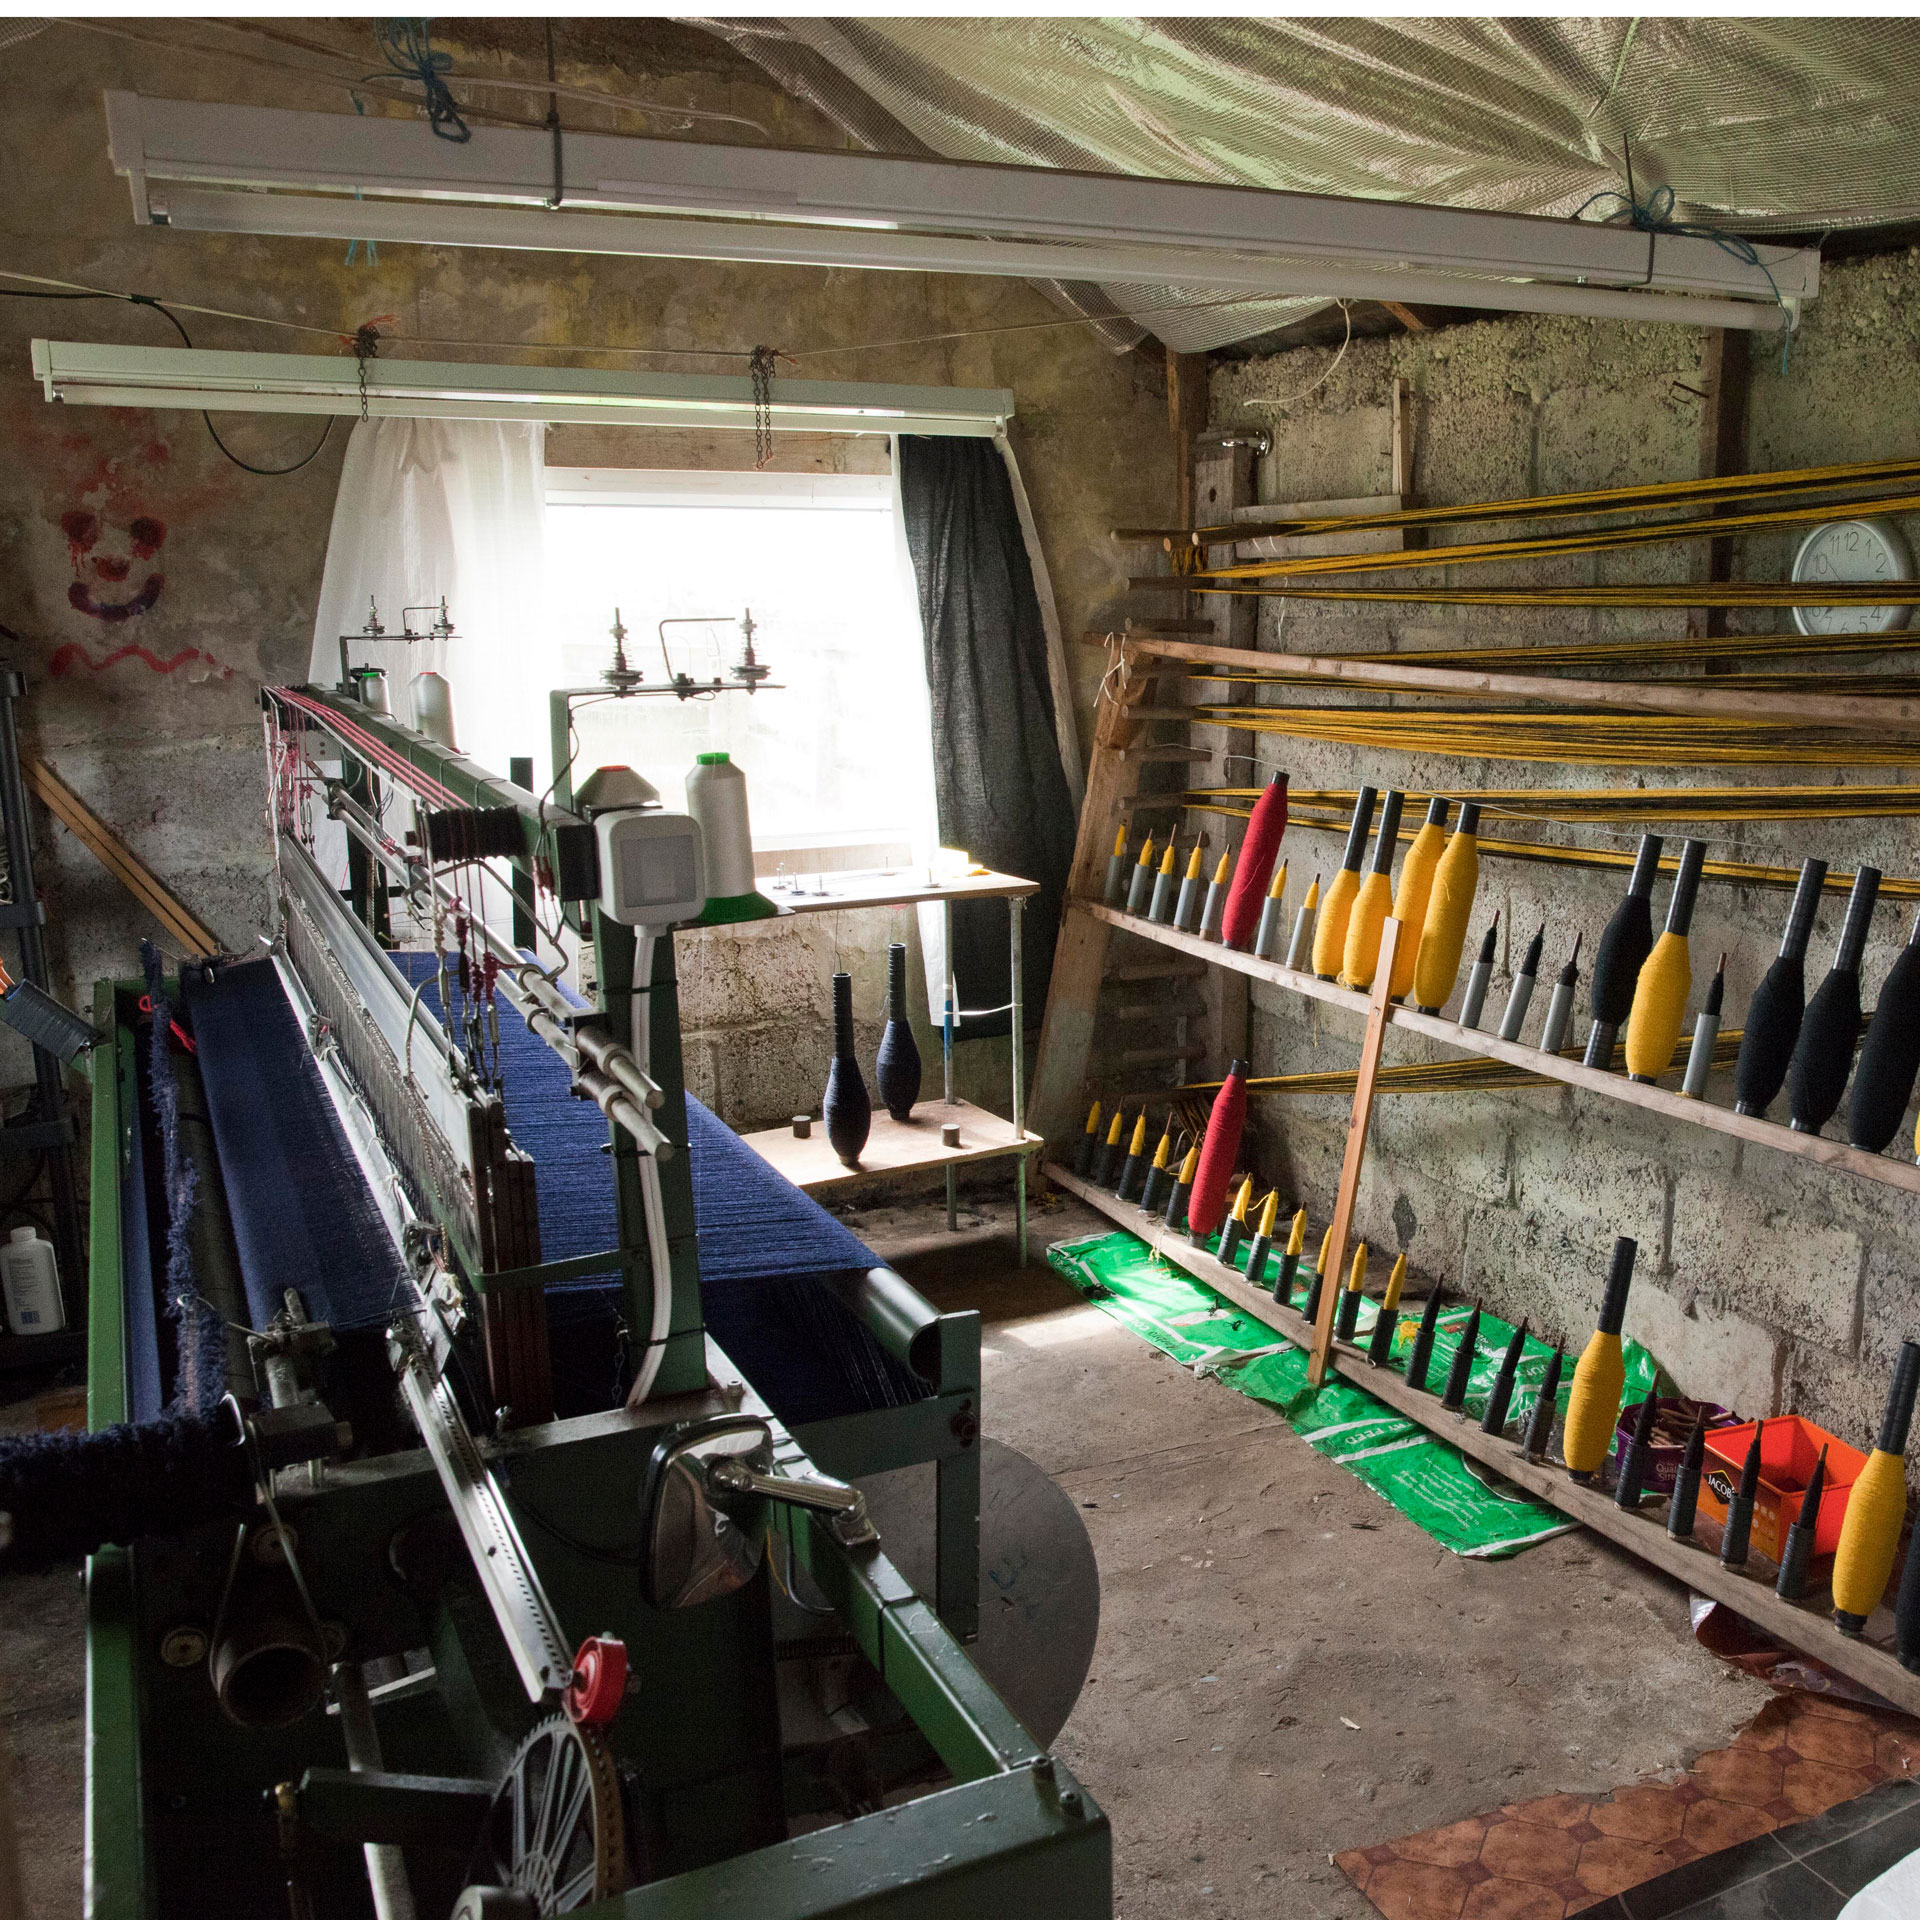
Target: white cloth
x=428, y=508
x=1894, y=1896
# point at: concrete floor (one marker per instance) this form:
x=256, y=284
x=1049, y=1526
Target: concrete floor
x=1285, y=1668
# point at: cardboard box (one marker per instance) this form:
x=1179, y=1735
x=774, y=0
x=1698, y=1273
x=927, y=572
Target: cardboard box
x=1671, y=1425
x=1788, y=1448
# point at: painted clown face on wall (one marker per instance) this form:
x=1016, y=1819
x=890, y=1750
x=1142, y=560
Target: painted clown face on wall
x=113, y=575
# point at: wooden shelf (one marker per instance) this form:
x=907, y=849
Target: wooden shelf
x=893, y=1148
x=1879, y=1167
x=1748, y=1593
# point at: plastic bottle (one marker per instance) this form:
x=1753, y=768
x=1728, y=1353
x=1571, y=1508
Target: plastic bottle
x=31, y=1278
x=432, y=702
x=717, y=799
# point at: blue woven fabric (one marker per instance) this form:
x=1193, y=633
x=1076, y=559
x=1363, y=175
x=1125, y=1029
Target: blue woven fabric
x=302, y=1214
x=754, y=1223
x=764, y=1249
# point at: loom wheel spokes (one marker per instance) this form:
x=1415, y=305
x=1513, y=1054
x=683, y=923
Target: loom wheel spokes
x=556, y=1832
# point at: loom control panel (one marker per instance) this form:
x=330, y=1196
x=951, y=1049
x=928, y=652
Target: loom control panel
x=652, y=868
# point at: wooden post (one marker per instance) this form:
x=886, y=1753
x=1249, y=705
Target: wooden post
x=1224, y=478
x=1186, y=417
x=1379, y=1014
x=1402, y=443
x=1080, y=952
x=1723, y=448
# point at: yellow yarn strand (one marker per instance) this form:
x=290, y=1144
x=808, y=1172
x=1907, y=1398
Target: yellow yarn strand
x=1297, y=1236
x=1573, y=738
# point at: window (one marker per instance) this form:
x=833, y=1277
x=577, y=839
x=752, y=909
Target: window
x=836, y=748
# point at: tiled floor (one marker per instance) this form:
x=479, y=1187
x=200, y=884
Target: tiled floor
x=1802, y=1756
x=1806, y=1872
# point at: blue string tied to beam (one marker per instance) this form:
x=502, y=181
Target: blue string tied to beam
x=1653, y=216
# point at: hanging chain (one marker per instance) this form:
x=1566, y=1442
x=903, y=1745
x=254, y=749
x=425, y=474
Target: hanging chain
x=366, y=343
x=760, y=370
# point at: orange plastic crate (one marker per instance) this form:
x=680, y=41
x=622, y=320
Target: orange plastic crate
x=1788, y=1450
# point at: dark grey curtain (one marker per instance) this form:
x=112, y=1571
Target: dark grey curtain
x=999, y=785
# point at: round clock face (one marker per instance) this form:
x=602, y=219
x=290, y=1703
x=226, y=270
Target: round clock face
x=1852, y=550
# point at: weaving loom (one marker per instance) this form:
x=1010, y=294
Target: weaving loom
x=336, y=1217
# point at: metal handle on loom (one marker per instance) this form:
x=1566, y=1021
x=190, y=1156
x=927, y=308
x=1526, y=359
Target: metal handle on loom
x=621, y=1088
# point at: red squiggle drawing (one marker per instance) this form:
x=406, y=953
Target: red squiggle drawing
x=73, y=654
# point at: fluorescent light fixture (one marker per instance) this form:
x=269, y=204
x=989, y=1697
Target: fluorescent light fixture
x=269, y=170
x=109, y=376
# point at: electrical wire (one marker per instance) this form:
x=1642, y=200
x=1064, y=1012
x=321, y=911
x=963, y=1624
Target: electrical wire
x=647, y=352
x=147, y=300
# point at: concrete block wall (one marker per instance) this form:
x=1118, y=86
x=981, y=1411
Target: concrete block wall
x=1763, y=1281
x=154, y=717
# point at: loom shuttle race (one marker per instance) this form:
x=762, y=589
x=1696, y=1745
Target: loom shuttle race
x=506, y=1395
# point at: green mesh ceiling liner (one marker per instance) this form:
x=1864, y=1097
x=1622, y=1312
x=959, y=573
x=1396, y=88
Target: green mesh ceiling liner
x=1464, y=1507
x=1790, y=123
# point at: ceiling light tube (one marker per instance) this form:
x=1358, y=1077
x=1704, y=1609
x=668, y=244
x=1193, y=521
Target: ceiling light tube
x=114, y=376
x=444, y=224
x=862, y=199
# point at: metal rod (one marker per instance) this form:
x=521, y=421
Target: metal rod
x=946, y=1044
x=1014, y=906
x=527, y=990
x=386, y=1865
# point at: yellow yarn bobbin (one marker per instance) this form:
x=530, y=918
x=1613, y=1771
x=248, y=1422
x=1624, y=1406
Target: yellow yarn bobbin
x=1410, y=903
x=1444, y=935
x=1593, y=1404
x=1659, y=1007
x=1870, y=1534
x=1330, y=930
x=1369, y=915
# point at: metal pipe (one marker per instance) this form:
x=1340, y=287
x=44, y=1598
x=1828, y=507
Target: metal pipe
x=547, y=1015
x=386, y=1865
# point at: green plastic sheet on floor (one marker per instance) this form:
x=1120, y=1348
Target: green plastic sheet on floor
x=1465, y=1507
